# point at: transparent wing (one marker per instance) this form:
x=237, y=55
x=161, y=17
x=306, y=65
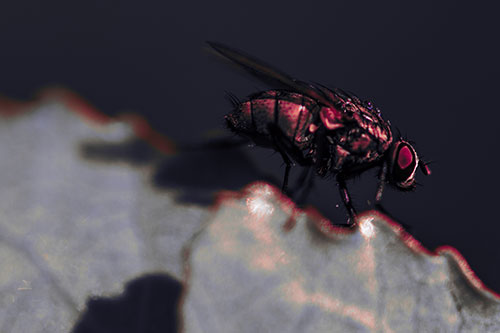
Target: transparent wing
x=266, y=72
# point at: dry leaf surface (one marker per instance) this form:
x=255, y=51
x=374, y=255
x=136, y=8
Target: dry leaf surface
x=72, y=227
x=251, y=270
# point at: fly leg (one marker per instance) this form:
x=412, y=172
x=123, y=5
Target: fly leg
x=281, y=145
x=382, y=176
x=288, y=163
x=306, y=177
x=287, y=150
x=346, y=198
x=303, y=177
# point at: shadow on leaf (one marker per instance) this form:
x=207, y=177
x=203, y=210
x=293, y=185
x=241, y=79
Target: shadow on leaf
x=148, y=304
x=196, y=175
x=135, y=152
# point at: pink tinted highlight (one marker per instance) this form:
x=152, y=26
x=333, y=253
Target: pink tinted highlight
x=81, y=107
x=296, y=292
x=331, y=118
x=246, y=115
x=289, y=113
x=313, y=128
x=361, y=143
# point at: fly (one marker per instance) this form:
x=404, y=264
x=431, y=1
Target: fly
x=333, y=131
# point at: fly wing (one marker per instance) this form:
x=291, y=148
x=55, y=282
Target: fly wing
x=263, y=71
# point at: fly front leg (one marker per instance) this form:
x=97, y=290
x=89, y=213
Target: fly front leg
x=346, y=198
x=382, y=178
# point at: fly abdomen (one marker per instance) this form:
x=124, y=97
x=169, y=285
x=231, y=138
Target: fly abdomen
x=290, y=112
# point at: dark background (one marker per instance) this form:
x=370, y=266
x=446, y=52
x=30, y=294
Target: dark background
x=431, y=66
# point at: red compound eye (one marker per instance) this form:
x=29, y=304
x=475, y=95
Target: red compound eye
x=404, y=163
x=405, y=157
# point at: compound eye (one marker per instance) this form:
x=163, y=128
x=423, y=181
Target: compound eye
x=405, y=157
x=405, y=163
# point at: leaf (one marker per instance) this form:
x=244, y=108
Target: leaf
x=252, y=270
x=73, y=226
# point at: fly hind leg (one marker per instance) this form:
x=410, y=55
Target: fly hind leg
x=288, y=164
x=305, y=183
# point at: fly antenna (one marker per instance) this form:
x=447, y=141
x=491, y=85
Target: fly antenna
x=424, y=167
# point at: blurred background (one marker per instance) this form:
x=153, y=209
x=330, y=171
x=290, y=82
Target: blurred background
x=432, y=67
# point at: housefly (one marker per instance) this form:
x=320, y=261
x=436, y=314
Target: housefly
x=331, y=130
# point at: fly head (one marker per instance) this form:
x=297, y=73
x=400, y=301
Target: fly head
x=403, y=164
